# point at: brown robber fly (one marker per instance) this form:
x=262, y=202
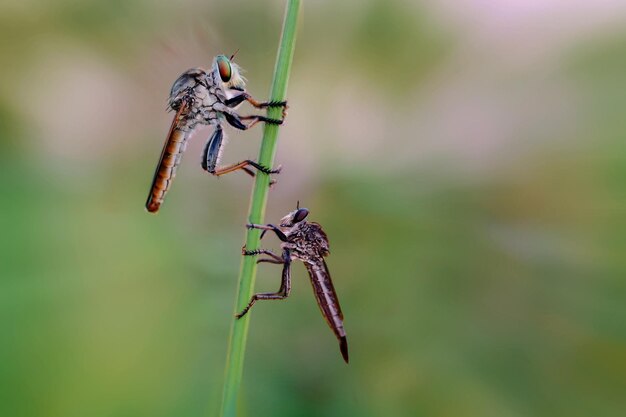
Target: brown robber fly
x=207, y=97
x=307, y=242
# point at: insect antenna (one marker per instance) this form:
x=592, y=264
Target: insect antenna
x=233, y=55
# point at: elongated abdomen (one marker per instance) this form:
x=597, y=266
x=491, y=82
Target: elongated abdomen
x=170, y=158
x=328, y=302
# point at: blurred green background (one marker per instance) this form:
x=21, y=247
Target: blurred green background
x=466, y=158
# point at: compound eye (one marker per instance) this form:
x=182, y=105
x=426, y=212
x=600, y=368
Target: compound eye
x=300, y=215
x=224, y=67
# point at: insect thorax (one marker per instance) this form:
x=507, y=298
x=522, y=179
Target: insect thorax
x=200, y=92
x=307, y=241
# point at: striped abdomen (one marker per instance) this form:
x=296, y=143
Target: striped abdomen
x=328, y=302
x=170, y=158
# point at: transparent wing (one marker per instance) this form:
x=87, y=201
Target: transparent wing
x=328, y=302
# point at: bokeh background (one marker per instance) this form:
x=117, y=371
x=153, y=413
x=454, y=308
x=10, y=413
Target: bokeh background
x=466, y=158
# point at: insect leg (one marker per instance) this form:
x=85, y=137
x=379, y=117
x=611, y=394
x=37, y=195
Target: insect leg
x=269, y=261
x=252, y=174
x=212, y=150
x=211, y=156
x=242, y=165
x=248, y=171
x=235, y=101
x=237, y=121
x=270, y=227
x=283, y=291
x=275, y=259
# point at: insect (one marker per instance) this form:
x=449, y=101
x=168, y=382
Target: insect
x=307, y=242
x=207, y=97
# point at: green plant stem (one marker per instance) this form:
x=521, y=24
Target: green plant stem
x=247, y=275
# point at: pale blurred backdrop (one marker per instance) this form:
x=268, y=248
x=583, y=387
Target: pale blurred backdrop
x=466, y=158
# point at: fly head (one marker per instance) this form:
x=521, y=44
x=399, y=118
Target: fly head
x=295, y=217
x=229, y=72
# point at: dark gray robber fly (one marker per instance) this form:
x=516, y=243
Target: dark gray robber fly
x=206, y=97
x=307, y=242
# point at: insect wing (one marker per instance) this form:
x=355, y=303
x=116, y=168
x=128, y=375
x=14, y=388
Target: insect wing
x=328, y=302
x=324, y=288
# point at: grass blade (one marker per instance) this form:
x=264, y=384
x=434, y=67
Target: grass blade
x=247, y=275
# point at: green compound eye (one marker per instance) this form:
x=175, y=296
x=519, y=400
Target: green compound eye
x=223, y=64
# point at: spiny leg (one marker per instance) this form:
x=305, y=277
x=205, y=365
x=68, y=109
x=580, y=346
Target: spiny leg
x=237, y=121
x=274, y=259
x=211, y=154
x=235, y=101
x=268, y=227
x=283, y=291
x=256, y=118
x=243, y=166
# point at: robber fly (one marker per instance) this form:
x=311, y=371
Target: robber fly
x=207, y=97
x=307, y=242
